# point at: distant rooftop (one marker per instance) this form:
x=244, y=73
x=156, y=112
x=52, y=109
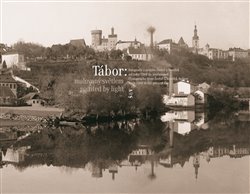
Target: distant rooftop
x=78, y=42
x=237, y=49
x=7, y=78
x=166, y=41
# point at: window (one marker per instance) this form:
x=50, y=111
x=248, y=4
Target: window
x=34, y=102
x=10, y=86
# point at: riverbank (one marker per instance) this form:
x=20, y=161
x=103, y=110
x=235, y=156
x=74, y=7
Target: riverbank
x=26, y=116
x=32, y=111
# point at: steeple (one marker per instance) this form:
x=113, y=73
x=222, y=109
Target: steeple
x=196, y=164
x=195, y=33
x=195, y=40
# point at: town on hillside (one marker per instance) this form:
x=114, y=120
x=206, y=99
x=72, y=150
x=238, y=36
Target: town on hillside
x=21, y=84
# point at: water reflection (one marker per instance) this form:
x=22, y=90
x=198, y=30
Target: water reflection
x=178, y=138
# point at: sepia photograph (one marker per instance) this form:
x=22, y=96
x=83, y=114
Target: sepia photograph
x=116, y=96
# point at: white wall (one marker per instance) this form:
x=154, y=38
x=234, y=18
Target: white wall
x=182, y=88
x=12, y=59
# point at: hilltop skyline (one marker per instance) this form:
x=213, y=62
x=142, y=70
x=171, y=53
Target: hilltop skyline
x=221, y=25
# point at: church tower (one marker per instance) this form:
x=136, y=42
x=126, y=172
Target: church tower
x=195, y=40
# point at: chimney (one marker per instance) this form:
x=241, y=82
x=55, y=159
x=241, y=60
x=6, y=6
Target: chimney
x=112, y=31
x=170, y=92
x=151, y=40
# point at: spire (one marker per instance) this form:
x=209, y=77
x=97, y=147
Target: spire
x=196, y=164
x=195, y=32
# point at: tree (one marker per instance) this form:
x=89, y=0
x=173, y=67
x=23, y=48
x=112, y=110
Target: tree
x=4, y=65
x=116, y=54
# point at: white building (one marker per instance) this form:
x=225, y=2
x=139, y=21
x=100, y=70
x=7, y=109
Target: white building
x=183, y=88
x=13, y=59
x=140, y=54
x=123, y=45
x=214, y=53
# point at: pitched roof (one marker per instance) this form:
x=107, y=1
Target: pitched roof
x=237, y=49
x=6, y=92
x=142, y=50
x=166, y=41
x=128, y=41
x=181, y=41
x=7, y=78
x=78, y=42
x=13, y=52
x=30, y=96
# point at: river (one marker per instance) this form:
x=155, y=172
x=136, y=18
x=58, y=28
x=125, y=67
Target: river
x=180, y=152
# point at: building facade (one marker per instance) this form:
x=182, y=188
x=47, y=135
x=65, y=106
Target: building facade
x=123, y=45
x=103, y=44
x=13, y=60
x=237, y=53
x=140, y=54
x=7, y=80
x=170, y=46
x=214, y=53
x=183, y=87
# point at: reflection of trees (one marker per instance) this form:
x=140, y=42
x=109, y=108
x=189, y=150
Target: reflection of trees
x=76, y=148
x=108, y=144
x=224, y=131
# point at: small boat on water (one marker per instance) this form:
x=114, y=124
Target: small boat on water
x=70, y=123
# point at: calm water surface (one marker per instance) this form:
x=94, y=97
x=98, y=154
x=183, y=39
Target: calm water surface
x=181, y=152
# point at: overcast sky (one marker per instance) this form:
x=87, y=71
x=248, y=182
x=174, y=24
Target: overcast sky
x=221, y=24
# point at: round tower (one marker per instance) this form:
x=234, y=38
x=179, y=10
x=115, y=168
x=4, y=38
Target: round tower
x=96, y=38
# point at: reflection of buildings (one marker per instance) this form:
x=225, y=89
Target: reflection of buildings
x=96, y=171
x=180, y=121
x=183, y=122
x=239, y=152
x=166, y=161
x=113, y=170
x=13, y=155
x=138, y=156
x=234, y=152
